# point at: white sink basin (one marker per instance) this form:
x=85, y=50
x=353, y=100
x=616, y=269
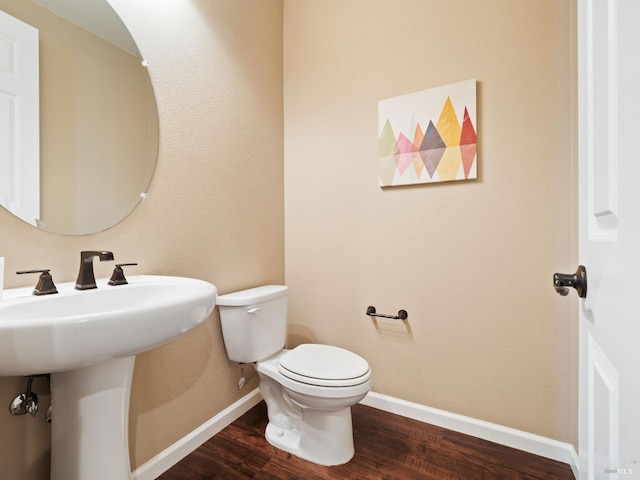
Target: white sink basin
x=88, y=340
x=74, y=329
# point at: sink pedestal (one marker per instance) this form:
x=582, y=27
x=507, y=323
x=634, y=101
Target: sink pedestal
x=88, y=340
x=90, y=422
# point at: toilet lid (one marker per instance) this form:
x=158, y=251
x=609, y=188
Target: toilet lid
x=324, y=365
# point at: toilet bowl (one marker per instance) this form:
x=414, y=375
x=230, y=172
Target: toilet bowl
x=309, y=390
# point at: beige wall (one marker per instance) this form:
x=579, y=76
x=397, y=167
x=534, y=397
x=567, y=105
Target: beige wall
x=471, y=262
x=215, y=212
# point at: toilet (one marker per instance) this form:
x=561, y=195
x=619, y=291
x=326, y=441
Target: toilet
x=309, y=390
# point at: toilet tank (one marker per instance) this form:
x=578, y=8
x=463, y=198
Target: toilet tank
x=254, y=322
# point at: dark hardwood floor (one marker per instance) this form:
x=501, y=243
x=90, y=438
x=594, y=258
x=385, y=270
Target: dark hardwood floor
x=387, y=447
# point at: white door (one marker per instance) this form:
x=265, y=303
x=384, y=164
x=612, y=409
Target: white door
x=19, y=119
x=609, y=156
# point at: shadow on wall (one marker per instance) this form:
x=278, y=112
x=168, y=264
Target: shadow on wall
x=166, y=375
x=390, y=329
x=393, y=329
x=39, y=465
x=299, y=334
x=26, y=438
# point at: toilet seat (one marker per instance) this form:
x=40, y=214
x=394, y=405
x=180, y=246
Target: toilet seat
x=324, y=365
x=271, y=368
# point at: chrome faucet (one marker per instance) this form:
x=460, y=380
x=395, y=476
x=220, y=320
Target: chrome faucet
x=86, y=278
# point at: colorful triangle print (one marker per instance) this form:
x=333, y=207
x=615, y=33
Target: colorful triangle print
x=448, y=126
x=387, y=141
x=446, y=150
x=432, y=139
x=468, y=134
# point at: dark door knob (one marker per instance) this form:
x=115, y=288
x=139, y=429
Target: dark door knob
x=578, y=280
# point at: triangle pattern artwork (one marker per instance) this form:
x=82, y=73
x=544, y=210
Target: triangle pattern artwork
x=445, y=150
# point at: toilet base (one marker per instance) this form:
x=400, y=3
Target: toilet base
x=324, y=437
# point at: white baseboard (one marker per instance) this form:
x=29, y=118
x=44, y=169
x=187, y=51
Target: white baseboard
x=510, y=437
x=183, y=447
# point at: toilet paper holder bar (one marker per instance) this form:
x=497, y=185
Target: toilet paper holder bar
x=402, y=314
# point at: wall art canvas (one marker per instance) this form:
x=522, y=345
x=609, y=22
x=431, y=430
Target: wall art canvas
x=428, y=136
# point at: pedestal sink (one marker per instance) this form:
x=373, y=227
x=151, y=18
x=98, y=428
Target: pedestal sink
x=88, y=340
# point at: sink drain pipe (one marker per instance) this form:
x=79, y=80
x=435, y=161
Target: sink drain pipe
x=27, y=402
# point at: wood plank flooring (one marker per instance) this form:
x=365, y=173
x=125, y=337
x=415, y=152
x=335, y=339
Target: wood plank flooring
x=388, y=447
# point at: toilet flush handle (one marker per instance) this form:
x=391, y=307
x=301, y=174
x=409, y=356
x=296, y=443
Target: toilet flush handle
x=253, y=311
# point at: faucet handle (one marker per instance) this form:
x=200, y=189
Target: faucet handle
x=118, y=274
x=45, y=285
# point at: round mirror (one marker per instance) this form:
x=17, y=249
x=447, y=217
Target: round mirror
x=82, y=158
